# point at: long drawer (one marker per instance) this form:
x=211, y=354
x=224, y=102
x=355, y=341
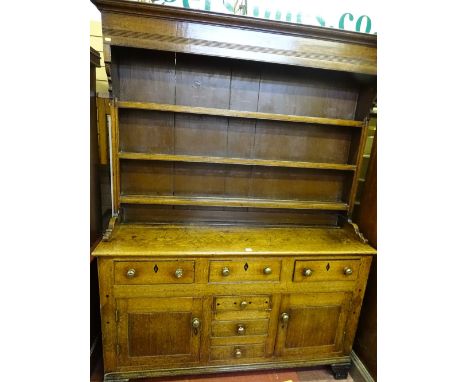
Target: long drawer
x=154, y=272
x=233, y=271
x=326, y=270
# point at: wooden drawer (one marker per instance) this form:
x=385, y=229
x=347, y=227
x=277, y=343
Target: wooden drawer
x=154, y=272
x=239, y=328
x=226, y=271
x=241, y=303
x=232, y=315
x=325, y=270
x=237, y=352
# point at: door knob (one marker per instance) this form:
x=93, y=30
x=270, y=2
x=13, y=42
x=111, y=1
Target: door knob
x=196, y=323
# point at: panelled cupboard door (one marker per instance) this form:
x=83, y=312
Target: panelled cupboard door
x=312, y=325
x=158, y=331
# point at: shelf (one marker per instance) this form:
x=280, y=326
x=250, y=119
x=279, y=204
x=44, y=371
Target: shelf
x=237, y=114
x=232, y=202
x=237, y=161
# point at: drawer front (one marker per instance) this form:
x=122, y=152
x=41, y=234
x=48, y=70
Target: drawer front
x=237, y=352
x=154, y=272
x=326, y=270
x=241, y=303
x=226, y=271
x=232, y=315
x=239, y=328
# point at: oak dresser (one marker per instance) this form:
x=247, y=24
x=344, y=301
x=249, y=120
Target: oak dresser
x=235, y=147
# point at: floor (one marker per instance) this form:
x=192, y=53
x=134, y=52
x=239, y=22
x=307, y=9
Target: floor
x=313, y=374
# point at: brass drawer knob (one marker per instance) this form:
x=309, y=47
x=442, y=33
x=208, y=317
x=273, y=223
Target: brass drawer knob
x=131, y=273
x=267, y=271
x=243, y=304
x=225, y=271
x=348, y=271
x=240, y=329
x=179, y=273
x=307, y=272
x=237, y=352
x=196, y=323
x=284, y=317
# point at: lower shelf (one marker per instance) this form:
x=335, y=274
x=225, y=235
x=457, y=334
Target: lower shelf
x=233, y=202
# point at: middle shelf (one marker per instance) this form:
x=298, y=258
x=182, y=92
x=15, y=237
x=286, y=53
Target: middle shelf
x=236, y=161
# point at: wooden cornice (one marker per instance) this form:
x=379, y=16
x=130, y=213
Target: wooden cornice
x=244, y=22
x=166, y=28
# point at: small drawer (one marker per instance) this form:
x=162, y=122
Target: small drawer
x=326, y=270
x=241, y=303
x=154, y=272
x=237, y=352
x=226, y=271
x=232, y=315
x=239, y=328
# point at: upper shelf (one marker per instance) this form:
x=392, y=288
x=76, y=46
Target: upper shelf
x=237, y=113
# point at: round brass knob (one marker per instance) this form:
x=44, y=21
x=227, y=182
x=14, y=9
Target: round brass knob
x=240, y=329
x=131, y=273
x=225, y=271
x=348, y=271
x=285, y=318
x=267, y=271
x=195, y=323
x=307, y=272
x=237, y=353
x=179, y=273
x=243, y=304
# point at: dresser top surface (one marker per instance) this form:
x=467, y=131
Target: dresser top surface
x=168, y=240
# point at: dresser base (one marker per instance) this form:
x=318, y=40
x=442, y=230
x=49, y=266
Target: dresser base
x=338, y=365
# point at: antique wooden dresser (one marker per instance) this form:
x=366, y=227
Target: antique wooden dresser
x=235, y=151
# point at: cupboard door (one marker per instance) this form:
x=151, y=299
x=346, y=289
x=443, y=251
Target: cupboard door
x=158, y=331
x=312, y=324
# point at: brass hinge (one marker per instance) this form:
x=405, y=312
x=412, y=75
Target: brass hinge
x=117, y=348
x=116, y=315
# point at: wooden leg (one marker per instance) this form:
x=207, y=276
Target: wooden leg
x=340, y=370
